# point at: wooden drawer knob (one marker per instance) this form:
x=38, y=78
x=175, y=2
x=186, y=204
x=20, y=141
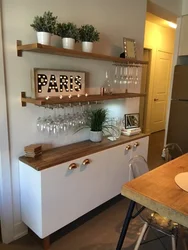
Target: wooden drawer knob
x=128, y=147
x=86, y=162
x=136, y=144
x=72, y=166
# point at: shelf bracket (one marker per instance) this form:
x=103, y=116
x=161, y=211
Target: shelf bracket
x=19, y=52
x=23, y=96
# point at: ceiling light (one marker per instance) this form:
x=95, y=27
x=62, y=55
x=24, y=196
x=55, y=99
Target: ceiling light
x=172, y=25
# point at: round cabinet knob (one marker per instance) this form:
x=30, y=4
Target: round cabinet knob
x=136, y=144
x=128, y=147
x=86, y=162
x=72, y=166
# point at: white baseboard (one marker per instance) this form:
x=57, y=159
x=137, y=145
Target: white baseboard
x=20, y=230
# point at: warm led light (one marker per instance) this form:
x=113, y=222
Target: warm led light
x=47, y=97
x=78, y=95
x=61, y=97
x=86, y=94
x=172, y=25
x=70, y=96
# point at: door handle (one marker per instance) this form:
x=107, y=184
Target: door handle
x=128, y=147
x=72, y=166
x=156, y=99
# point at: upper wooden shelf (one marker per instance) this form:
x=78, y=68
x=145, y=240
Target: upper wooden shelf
x=75, y=99
x=39, y=48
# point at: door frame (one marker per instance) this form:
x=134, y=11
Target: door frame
x=150, y=83
x=6, y=202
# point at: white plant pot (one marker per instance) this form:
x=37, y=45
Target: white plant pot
x=95, y=136
x=44, y=38
x=87, y=46
x=68, y=43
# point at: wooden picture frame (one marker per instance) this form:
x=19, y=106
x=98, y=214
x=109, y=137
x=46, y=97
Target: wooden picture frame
x=132, y=120
x=129, y=46
x=57, y=83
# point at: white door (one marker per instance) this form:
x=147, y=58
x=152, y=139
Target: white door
x=160, y=90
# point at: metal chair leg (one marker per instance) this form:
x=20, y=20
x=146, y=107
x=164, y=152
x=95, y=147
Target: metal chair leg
x=173, y=242
x=141, y=236
x=125, y=225
x=146, y=234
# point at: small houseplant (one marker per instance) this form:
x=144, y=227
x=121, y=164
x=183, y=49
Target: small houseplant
x=88, y=34
x=45, y=26
x=69, y=33
x=97, y=122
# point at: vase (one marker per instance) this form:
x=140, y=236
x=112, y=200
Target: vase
x=68, y=43
x=87, y=46
x=95, y=136
x=44, y=38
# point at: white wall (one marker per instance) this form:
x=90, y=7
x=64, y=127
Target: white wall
x=185, y=7
x=114, y=19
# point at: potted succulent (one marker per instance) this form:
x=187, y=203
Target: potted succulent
x=88, y=34
x=45, y=26
x=97, y=122
x=69, y=33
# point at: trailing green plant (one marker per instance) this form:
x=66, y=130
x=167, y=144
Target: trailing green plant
x=45, y=23
x=88, y=33
x=68, y=30
x=97, y=120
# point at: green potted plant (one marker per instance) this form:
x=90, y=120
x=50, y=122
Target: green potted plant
x=97, y=122
x=45, y=26
x=88, y=34
x=69, y=33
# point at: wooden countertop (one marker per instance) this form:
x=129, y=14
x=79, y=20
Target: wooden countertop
x=158, y=191
x=55, y=156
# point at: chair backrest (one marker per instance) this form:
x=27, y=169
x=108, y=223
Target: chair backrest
x=172, y=151
x=138, y=166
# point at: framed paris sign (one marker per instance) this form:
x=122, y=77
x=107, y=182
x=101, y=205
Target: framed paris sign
x=56, y=83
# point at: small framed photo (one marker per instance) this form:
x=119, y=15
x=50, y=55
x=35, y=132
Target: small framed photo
x=129, y=46
x=132, y=120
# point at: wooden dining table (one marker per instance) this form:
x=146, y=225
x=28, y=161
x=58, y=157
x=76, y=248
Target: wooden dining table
x=158, y=191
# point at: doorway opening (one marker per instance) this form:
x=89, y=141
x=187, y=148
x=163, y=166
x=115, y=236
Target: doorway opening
x=158, y=50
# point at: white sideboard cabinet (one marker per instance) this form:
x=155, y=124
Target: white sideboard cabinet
x=57, y=195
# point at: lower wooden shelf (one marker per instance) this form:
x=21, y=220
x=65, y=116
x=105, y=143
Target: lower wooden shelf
x=75, y=99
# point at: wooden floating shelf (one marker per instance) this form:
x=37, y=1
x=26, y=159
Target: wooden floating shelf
x=46, y=49
x=75, y=99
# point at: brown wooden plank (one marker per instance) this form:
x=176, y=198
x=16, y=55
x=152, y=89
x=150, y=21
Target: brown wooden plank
x=158, y=191
x=75, y=99
x=63, y=154
x=46, y=243
x=36, y=47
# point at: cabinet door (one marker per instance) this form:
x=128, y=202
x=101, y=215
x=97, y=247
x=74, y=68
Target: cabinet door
x=183, y=48
x=69, y=194
x=140, y=147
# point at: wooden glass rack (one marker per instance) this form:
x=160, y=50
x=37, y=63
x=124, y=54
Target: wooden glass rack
x=75, y=99
x=46, y=49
